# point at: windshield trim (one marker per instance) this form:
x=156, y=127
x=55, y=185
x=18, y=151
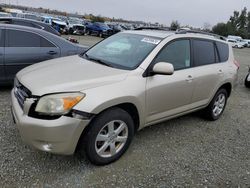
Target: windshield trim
x=124, y=67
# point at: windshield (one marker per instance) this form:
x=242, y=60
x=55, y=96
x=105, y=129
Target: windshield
x=102, y=25
x=32, y=17
x=75, y=21
x=123, y=50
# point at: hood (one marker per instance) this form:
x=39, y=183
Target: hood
x=78, y=25
x=59, y=22
x=68, y=74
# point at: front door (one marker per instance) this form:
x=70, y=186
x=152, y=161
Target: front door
x=170, y=95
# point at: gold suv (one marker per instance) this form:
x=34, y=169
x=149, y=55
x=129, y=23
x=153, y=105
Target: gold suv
x=96, y=102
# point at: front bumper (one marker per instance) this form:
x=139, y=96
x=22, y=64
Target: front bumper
x=58, y=136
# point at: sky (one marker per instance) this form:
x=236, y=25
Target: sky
x=187, y=12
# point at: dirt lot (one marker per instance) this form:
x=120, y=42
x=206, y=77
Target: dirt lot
x=184, y=152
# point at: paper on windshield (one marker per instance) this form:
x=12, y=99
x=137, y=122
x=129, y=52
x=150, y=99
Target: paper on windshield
x=151, y=41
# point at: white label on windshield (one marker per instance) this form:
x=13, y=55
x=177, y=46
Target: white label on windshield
x=151, y=41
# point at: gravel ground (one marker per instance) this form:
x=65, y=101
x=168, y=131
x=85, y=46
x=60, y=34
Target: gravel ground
x=184, y=152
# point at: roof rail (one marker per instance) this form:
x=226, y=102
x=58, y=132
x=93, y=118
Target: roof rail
x=184, y=31
x=152, y=28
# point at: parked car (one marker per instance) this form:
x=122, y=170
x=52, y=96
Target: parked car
x=116, y=28
x=29, y=16
x=235, y=43
x=4, y=14
x=75, y=26
x=98, y=100
x=247, y=80
x=58, y=24
x=22, y=46
x=98, y=28
x=248, y=43
x=29, y=23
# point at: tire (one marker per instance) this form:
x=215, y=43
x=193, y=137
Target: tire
x=100, y=152
x=247, y=82
x=219, y=101
x=88, y=32
x=71, y=31
x=100, y=35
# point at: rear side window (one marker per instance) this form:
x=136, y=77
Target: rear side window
x=204, y=52
x=223, y=50
x=17, y=38
x=46, y=43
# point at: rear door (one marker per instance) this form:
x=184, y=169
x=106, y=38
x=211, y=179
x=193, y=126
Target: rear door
x=2, y=75
x=24, y=48
x=208, y=71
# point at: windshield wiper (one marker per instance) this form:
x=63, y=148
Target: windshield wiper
x=97, y=60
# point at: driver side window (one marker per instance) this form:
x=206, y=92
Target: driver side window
x=176, y=53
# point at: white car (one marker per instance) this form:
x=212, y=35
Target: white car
x=235, y=43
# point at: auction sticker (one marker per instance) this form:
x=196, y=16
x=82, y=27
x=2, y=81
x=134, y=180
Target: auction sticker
x=151, y=40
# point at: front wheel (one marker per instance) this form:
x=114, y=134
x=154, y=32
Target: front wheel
x=217, y=105
x=109, y=136
x=247, y=81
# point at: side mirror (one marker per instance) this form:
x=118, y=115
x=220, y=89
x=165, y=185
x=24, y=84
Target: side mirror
x=163, y=68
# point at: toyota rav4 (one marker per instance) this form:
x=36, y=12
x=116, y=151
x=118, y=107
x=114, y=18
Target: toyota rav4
x=96, y=101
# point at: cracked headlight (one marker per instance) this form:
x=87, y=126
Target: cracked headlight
x=58, y=104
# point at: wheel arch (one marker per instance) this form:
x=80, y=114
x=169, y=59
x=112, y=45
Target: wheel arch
x=228, y=87
x=129, y=107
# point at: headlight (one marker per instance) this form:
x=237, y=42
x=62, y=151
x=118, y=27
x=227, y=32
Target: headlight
x=58, y=104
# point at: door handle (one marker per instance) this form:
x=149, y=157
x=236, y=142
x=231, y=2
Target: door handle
x=220, y=72
x=52, y=53
x=189, y=78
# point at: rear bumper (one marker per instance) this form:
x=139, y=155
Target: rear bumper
x=58, y=136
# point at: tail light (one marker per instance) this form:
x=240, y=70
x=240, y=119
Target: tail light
x=237, y=64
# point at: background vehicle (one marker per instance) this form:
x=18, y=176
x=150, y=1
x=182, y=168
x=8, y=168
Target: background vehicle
x=29, y=16
x=56, y=23
x=124, y=83
x=116, y=28
x=235, y=43
x=75, y=26
x=98, y=28
x=22, y=46
x=248, y=43
x=29, y=23
x=4, y=14
x=247, y=80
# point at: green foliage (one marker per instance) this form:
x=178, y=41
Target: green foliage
x=174, y=25
x=96, y=18
x=238, y=24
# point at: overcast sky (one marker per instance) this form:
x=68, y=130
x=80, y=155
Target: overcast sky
x=191, y=12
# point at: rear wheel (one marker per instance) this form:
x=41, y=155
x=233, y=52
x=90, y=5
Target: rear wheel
x=217, y=105
x=109, y=136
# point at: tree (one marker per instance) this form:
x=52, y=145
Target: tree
x=235, y=19
x=248, y=24
x=220, y=29
x=238, y=24
x=206, y=26
x=174, y=25
x=242, y=20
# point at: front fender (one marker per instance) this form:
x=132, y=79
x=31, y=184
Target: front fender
x=131, y=90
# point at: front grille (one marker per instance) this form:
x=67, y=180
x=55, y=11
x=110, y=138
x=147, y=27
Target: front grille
x=21, y=93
